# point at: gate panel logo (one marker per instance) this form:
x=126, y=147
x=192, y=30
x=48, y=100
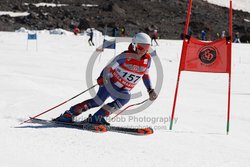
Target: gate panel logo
x=207, y=55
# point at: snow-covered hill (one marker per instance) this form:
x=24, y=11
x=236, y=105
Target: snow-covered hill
x=237, y=4
x=33, y=81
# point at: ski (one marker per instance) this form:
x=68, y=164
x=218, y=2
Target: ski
x=94, y=127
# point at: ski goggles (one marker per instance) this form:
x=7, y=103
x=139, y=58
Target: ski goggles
x=143, y=47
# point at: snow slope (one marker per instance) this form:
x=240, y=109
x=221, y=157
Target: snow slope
x=34, y=81
x=237, y=4
x=14, y=14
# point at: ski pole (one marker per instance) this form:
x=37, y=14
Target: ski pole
x=59, y=104
x=129, y=107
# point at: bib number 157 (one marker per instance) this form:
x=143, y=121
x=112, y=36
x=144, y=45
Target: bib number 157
x=130, y=77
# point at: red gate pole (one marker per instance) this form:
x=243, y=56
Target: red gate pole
x=230, y=59
x=183, y=51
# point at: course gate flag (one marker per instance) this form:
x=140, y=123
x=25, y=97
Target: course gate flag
x=203, y=56
x=31, y=36
x=109, y=44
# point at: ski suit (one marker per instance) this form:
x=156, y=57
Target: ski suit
x=121, y=76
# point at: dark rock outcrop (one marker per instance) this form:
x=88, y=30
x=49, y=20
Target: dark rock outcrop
x=135, y=15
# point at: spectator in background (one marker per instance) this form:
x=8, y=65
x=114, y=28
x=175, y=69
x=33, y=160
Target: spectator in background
x=123, y=31
x=237, y=37
x=91, y=37
x=190, y=32
x=218, y=35
x=154, y=36
x=203, y=35
x=223, y=34
x=114, y=31
x=76, y=30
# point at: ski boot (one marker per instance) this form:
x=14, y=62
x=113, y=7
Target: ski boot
x=67, y=117
x=95, y=119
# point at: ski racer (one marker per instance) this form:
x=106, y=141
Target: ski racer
x=116, y=80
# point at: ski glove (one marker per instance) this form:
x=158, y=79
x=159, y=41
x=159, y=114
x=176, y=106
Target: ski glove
x=152, y=94
x=102, y=81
